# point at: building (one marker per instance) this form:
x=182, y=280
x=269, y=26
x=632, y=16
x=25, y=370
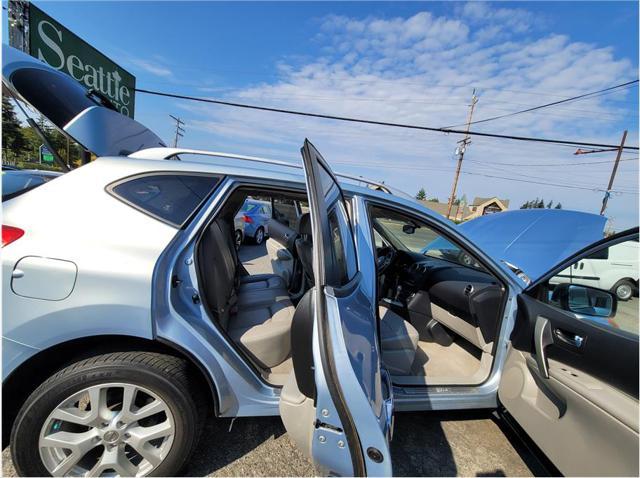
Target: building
x=464, y=212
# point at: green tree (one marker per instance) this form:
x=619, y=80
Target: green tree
x=12, y=138
x=421, y=195
x=558, y=206
x=549, y=204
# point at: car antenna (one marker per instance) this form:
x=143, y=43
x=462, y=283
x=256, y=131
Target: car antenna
x=40, y=133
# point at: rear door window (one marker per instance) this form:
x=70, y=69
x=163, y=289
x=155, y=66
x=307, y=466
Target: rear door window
x=169, y=197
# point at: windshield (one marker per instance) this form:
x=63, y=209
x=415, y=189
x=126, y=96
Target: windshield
x=417, y=237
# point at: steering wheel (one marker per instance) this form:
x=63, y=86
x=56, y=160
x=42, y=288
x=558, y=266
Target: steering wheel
x=385, y=258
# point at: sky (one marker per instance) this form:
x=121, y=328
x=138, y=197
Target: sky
x=414, y=62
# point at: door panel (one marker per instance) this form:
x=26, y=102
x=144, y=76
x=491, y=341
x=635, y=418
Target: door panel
x=571, y=380
x=350, y=399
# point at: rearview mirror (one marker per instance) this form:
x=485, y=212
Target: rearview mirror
x=408, y=228
x=584, y=300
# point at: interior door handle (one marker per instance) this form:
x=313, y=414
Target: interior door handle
x=568, y=338
x=542, y=338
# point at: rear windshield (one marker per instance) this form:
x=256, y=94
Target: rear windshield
x=57, y=96
x=170, y=197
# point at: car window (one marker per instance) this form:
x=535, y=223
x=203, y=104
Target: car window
x=15, y=183
x=342, y=247
x=57, y=96
x=587, y=286
x=418, y=237
x=284, y=211
x=169, y=197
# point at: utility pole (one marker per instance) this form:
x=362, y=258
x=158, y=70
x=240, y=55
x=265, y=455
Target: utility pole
x=179, y=130
x=460, y=152
x=607, y=194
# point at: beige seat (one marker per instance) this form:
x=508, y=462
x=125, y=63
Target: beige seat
x=255, y=311
x=399, y=340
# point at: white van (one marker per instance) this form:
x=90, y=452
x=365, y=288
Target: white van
x=614, y=269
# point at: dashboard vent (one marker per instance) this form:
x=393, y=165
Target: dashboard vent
x=468, y=290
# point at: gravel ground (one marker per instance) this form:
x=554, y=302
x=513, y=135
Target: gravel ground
x=424, y=444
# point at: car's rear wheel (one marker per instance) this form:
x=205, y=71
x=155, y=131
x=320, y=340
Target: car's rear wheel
x=259, y=236
x=126, y=414
x=624, y=289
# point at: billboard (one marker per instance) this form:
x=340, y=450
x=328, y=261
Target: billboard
x=51, y=42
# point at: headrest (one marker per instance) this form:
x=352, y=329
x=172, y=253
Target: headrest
x=304, y=226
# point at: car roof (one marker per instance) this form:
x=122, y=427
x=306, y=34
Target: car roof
x=229, y=164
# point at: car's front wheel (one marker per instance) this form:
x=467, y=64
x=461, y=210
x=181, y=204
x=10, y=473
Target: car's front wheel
x=126, y=414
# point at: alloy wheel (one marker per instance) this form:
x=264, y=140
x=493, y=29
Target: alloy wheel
x=259, y=236
x=108, y=429
x=624, y=291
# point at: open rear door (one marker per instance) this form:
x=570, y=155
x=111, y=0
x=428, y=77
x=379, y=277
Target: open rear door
x=337, y=405
x=570, y=379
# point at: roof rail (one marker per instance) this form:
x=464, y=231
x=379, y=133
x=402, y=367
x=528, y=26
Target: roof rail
x=173, y=153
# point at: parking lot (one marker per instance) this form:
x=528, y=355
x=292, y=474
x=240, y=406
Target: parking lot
x=424, y=444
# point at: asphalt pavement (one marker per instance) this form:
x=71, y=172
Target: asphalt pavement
x=424, y=444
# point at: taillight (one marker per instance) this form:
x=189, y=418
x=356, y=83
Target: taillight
x=10, y=234
x=247, y=219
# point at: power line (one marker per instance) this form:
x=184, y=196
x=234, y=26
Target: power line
x=551, y=165
x=423, y=168
x=373, y=122
x=566, y=100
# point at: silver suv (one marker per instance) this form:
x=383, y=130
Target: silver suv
x=128, y=317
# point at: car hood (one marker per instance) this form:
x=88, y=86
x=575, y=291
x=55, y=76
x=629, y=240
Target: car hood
x=534, y=240
x=72, y=108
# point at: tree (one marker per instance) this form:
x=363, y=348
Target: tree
x=422, y=195
x=12, y=138
x=433, y=199
x=539, y=204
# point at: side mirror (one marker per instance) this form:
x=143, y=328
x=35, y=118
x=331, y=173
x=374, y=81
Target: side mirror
x=408, y=228
x=584, y=300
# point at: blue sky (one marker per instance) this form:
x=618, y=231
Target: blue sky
x=403, y=62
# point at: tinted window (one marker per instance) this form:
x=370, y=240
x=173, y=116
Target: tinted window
x=57, y=96
x=284, y=211
x=170, y=197
x=343, y=251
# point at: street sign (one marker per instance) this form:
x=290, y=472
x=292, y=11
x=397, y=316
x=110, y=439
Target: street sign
x=46, y=156
x=48, y=40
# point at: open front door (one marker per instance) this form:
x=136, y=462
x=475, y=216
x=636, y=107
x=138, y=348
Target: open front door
x=571, y=375
x=337, y=404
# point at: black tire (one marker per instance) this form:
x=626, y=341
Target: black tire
x=169, y=377
x=624, y=285
x=238, y=237
x=259, y=236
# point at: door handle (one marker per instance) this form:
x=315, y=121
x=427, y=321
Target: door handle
x=541, y=339
x=568, y=338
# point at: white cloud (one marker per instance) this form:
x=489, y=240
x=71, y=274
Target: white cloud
x=421, y=70
x=154, y=67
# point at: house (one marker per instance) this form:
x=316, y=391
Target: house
x=464, y=212
x=484, y=206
